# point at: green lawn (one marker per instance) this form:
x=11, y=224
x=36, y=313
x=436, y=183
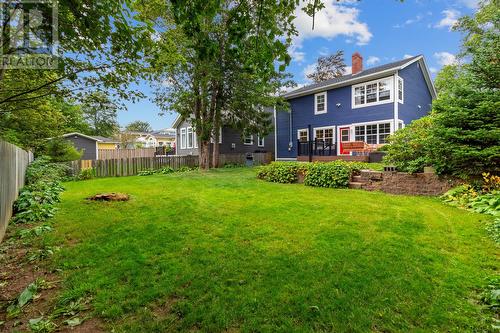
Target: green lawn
x=224, y=251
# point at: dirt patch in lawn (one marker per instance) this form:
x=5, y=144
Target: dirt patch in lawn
x=109, y=197
x=17, y=272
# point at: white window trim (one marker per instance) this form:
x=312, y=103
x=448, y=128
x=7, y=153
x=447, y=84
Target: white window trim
x=323, y=128
x=316, y=103
x=187, y=138
x=259, y=138
x=402, y=100
x=248, y=144
x=302, y=129
x=183, y=144
x=195, y=139
x=388, y=121
x=390, y=100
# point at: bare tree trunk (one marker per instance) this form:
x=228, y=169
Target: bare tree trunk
x=216, y=136
x=204, y=156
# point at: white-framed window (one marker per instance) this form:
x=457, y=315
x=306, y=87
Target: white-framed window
x=320, y=103
x=326, y=134
x=260, y=141
x=372, y=93
x=376, y=133
x=183, y=138
x=189, y=137
x=195, y=139
x=303, y=135
x=248, y=140
x=400, y=90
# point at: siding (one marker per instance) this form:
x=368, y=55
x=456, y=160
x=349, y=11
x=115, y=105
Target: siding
x=88, y=146
x=416, y=93
x=230, y=136
x=302, y=109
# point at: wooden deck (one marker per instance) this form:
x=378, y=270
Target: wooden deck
x=333, y=158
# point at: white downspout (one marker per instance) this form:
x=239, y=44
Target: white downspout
x=275, y=134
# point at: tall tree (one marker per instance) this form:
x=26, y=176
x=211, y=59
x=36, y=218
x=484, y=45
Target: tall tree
x=100, y=112
x=229, y=69
x=328, y=67
x=139, y=126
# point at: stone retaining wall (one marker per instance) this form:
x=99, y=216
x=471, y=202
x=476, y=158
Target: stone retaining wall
x=405, y=183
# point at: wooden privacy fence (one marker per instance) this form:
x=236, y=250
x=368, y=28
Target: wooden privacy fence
x=113, y=154
x=13, y=164
x=132, y=166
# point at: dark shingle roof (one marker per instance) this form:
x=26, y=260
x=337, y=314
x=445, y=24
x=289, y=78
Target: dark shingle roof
x=366, y=72
x=104, y=139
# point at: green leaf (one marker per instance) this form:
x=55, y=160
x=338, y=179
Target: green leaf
x=27, y=295
x=73, y=322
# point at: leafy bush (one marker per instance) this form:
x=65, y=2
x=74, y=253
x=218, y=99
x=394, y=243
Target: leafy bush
x=233, y=165
x=280, y=172
x=408, y=147
x=334, y=174
x=86, y=174
x=166, y=170
x=37, y=199
x=147, y=172
x=485, y=200
x=61, y=150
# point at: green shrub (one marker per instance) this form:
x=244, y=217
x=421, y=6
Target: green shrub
x=233, y=165
x=42, y=190
x=280, y=172
x=147, y=172
x=334, y=174
x=86, y=174
x=61, y=150
x=166, y=170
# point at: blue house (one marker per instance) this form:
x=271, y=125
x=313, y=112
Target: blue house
x=348, y=116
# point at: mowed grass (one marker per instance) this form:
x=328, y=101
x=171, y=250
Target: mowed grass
x=224, y=251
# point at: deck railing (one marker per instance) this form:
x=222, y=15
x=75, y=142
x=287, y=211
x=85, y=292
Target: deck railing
x=316, y=148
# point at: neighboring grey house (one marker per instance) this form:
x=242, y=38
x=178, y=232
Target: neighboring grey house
x=90, y=144
x=230, y=141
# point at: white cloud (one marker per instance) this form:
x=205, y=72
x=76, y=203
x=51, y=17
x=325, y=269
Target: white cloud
x=449, y=20
x=309, y=69
x=473, y=4
x=332, y=21
x=433, y=70
x=407, y=56
x=348, y=70
x=297, y=56
x=445, y=58
x=416, y=19
x=372, y=60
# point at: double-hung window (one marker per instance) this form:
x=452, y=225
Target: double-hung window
x=372, y=93
x=303, y=135
x=325, y=134
x=260, y=141
x=320, y=103
x=372, y=133
x=183, y=138
x=248, y=140
x=189, y=137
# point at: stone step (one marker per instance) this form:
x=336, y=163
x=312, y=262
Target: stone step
x=355, y=185
x=356, y=179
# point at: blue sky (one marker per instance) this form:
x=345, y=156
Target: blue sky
x=381, y=30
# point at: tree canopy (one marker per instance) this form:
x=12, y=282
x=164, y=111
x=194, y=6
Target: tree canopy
x=328, y=67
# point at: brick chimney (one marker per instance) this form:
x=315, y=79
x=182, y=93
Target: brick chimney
x=357, y=63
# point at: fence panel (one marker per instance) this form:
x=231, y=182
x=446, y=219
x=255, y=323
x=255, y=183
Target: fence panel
x=113, y=154
x=13, y=164
x=132, y=166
